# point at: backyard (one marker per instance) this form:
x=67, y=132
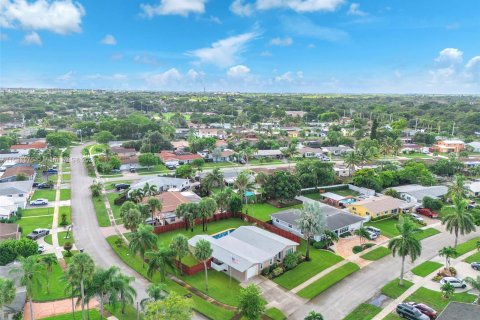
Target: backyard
x=263, y=211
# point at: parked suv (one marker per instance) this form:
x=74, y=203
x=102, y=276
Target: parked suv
x=427, y=212
x=122, y=186
x=372, y=235
x=408, y=311
x=38, y=233
x=455, y=282
x=426, y=310
x=476, y=265
x=374, y=230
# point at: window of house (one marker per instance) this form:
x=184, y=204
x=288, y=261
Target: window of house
x=20, y=195
x=290, y=226
x=394, y=211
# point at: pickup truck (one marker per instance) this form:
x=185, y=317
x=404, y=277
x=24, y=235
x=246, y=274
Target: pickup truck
x=38, y=233
x=427, y=212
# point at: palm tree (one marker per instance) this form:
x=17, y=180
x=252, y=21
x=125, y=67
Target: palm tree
x=396, y=146
x=136, y=195
x=131, y=217
x=447, y=252
x=159, y=261
x=179, y=246
x=8, y=291
x=458, y=189
x=49, y=261
x=459, y=220
x=223, y=198
x=122, y=287
x=331, y=237
x=183, y=211
x=351, y=160
x=312, y=315
x=102, y=287
x=362, y=234
x=203, y=252
x=475, y=283
x=31, y=270
x=156, y=292
x=155, y=205
x=406, y=244
x=213, y=179
x=248, y=153
x=149, y=190
x=243, y=183
x=206, y=210
x=80, y=270
x=142, y=240
x=311, y=222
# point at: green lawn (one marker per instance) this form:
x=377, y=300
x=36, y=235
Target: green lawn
x=435, y=299
x=61, y=238
x=275, y=314
x=65, y=194
x=416, y=155
x=154, y=169
x=394, y=290
x=115, y=209
x=257, y=162
x=209, y=165
x=467, y=246
x=387, y=226
x=44, y=194
x=93, y=314
x=314, y=196
x=29, y=224
x=66, y=177
x=473, y=258
x=116, y=175
x=364, y=311
x=164, y=239
x=263, y=211
x=101, y=211
x=37, y=212
x=427, y=233
x=57, y=286
x=376, y=254
x=425, y=268
x=328, y=280
x=320, y=260
x=111, y=185
x=346, y=192
x=392, y=316
x=130, y=312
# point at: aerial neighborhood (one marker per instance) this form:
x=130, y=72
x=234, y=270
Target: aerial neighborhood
x=237, y=206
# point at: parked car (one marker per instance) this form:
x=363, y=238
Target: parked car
x=150, y=221
x=455, y=282
x=374, y=230
x=416, y=217
x=427, y=212
x=116, y=171
x=132, y=170
x=171, y=166
x=41, y=248
x=407, y=311
x=476, y=265
x=426, y=310
x=39, y=202
x=38, y=233
x=51, y=171
x=122, y=186
x=44, y=185
x=372, y=235
x=472, y=205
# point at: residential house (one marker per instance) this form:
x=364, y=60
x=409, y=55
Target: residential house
x=272, y=154
x=244, y=252
x=9, y=231
x=337, y=200
x=414, y=193
x=179, y=145
x=294, y=114
x=448, y=146
x=124, y=152
x=337, y=151
x=11, y=173
x=211, y=133
x=375, y=207
x=170, y=201
x=308, y=152
x=18, y=191
x=178, y=157
x=23, y=149
x=341, y=171
x=7, y=312
x=129, y=162
x=474, y=188
x=337, y=220
x=8, y=207
x=411, y=147
x=182, y=133
x=163, y=183
x=474, y=146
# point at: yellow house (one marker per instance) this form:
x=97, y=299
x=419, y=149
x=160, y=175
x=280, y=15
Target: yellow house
x=378, y=206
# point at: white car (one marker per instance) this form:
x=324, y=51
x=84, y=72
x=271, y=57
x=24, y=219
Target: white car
x=372, y=235
x=416, y=217
x=39, y=202
x=455, y=282
x=41, y=248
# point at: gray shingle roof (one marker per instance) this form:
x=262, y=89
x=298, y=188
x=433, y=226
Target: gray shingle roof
x=463, y=311
x=15, y=187
x=420, y=192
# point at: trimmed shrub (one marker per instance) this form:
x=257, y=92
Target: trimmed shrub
x=277, y=271
x=357, y=249
x=290, y=261
x=320, y=245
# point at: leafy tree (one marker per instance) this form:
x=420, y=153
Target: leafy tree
x=475, y=283
x=447, y=290
x=432, y=204
x=122, y=287
x=223, y=198
x=367, y=178
x=155, y=291
x=458, y=189
x=8, y=292
x=459, y=220
x=282, y=185
x=312, y=315
x=154, y=142
x=104, y=136
x=198, y=163
x=188, y=212
x=11, y=248
x=311, y=222
x=80, y=271
x=148, y=160
x=179, y=246
x=206, y=209
x=60, y=139
x=142, y=240
x=235, y=204
x=447, y=252
x=102, y=286
x=392, y=193
x=290, y=261
x=213, y=179
x=373, y=130
x=131, y=215
x=251, y=305
x=184, y=171
x=330, y=237
x=314, y=173
x=159, y=261
x=406, y=244
x=416, y=172
x=5, y=143
x=203, y=252
x=198, y=144
x=447, y=167
x=174, y=307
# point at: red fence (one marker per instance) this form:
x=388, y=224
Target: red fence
x=181, y=224
x=271, y=228
x=191, y=270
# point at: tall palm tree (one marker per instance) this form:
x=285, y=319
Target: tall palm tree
x=362, y=234
x=155, y=205
x=142, y=240
x=459, y=220
x=203, y=252
x=121, y=284
x=8, y=292
x=159, y=261
x=396, y=146
x=179, y=246
x=102, y=286
x=331, y=237
x=458, y=189
x=406, y=244
x=243, y=183
x=31, y=270
x=131, y=218
x=156, y=292
x=311, y=222
x=351, y=161
x=80, y=270
x=475, y=283
x=223, y=198
x=183, y=211
x=206, y=210
x=136, y=195
x=149, y=190
x=213, y=179
x=49, y=261
x=447, y=252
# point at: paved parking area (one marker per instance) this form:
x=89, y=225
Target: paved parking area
x=463, y=270
x=344, y=246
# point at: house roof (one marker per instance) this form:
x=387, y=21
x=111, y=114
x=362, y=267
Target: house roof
x=172, y=199
x=380, y=204
x=420, y=192
x=180, y=144
x=310, y=150
x=6, y=201
x=227, y=153
x=160, y=182
x=15, y=187
x=129, y=160
x=268, y=153
x=333, y=196
x=474, y=186
x=8, y=230
x=458, y=310
x=265, y=240
x=122, y=150
x=13, y=171
x=33, y=145
x=169, y=156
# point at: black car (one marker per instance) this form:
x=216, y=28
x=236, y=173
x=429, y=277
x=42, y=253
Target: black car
x=43, y=185
x=408, y=311
x=122, y=186
x=476, y=265
x=51, y=171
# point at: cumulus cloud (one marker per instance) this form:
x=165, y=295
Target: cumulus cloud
x=32, y=38
x=449, y=69
x=163, y=78
x=173, y=7
x=304, y=27
x=284, y=42
x=354, y=10
x=450, y=55
x=244, y=8
x=286, y=77
x=59, y=16
x=224, y=53
x=146, y=58
x=109, y=40
x=66, y=77
x=194, y=75
x=238, y=71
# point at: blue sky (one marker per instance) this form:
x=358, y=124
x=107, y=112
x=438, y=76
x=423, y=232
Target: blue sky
x=326, y=46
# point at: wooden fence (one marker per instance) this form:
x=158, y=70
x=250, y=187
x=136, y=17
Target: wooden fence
x=191, y=270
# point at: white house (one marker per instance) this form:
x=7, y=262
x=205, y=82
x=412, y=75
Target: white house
x=8, y=208
x=163, y=183
x=475, y=146
x=414, y=193
x=17, y=191
x=474, y=188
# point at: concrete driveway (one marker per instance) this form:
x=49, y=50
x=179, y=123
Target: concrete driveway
x=464, y=270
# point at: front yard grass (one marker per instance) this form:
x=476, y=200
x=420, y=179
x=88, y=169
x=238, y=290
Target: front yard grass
x=65, y=194
x=44, y=194
x=61, y=238
x=320, y=260
x=115, y=209
x=427, y=233
x=364, y=311
x=394, y=290
x=57, y=286
x=425, y=268
x=29, y=224
x=35, y=212
x=435, y=299
x=275, y=314
x=376, y=254
x=328, y=280
x=473, y=258
x=467, y=246
x=92, y=314
x=387, y=226
x=101, y=211
x=392, y=316
x=263, y=211
x=66, y=177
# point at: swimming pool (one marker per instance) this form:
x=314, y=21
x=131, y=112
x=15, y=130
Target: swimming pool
x=223, y=233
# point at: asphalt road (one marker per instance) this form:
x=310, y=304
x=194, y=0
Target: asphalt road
x=339, y=300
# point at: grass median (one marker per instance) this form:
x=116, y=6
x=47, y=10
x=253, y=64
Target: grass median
x=394, y=290
x=425, y=268
x=364, y=311
x=376, y=254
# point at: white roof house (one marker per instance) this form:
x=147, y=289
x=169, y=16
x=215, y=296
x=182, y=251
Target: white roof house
x=474, y=188
x=416, y=193
x=475, y=145
x=163, y=183
x=17, y=191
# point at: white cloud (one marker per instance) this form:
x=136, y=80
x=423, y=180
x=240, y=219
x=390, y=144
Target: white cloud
x=473, y=63
x=32, y=38
x=281, y=41
x=194, y=75
x=243, y=8
x=304, y=27
x=224, y=53
x=146, y=58
x=103, y=77
x=238, y=71
x=174, y=7
x=354, y=10
x=66, y=77
x=286, y=77
x=163, y=78
x=59, y=16
x=109, y=40
x=265, y=53
x=450, y=55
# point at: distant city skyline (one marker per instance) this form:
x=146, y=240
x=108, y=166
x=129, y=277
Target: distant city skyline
x=304, y=46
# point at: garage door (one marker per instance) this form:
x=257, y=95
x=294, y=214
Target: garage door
x=253, y=271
